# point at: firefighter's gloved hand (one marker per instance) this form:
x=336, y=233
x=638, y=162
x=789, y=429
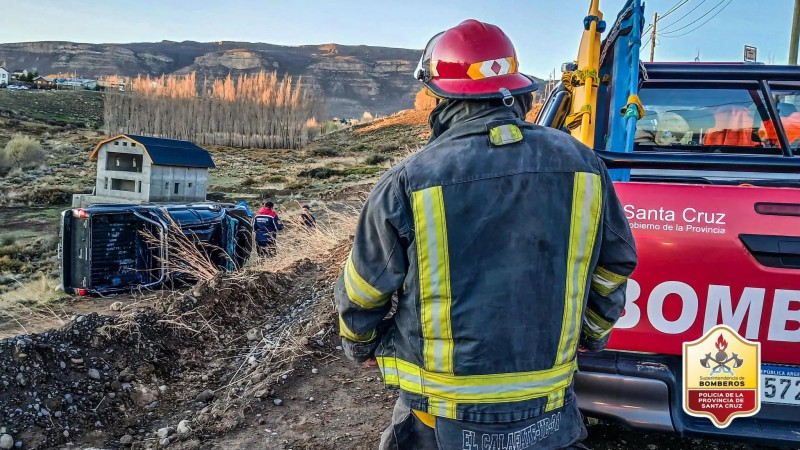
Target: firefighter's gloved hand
x=589, y=344
x=359, y=352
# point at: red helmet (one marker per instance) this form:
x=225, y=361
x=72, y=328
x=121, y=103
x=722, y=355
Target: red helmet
x=474, y=60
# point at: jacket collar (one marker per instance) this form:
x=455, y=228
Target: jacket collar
x=462, y=117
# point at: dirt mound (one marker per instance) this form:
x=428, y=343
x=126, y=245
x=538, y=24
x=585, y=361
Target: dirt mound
x=103, y=378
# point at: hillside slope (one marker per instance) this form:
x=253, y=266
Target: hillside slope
x=353, y=79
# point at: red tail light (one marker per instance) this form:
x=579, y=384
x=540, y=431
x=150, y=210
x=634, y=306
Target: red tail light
x=80, y=291
x=778, y=209
x=80, y=213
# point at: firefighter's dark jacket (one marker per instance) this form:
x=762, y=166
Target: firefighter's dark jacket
x=506, y=245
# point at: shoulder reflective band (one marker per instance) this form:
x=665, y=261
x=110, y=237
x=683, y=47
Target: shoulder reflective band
x=491, y=388
x=345, y=332
x=505, y=134
x=595, y=326
x=604, y=281
x=359, y=291
x=434, y=275
x=587, y=199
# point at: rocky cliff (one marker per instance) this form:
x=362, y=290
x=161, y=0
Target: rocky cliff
x=353, y=79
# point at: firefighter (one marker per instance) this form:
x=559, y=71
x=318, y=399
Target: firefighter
x=476, y=315
x=266, y=225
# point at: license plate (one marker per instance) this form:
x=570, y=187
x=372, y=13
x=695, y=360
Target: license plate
x=780, y=384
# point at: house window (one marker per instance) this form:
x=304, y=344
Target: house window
x=177, y=186
x=123, y=185
x=105, y=184
x=133, y=144
x=166, y=185
x=116, y=142
x=189, y=185
x=139, y=187
x=125, y=144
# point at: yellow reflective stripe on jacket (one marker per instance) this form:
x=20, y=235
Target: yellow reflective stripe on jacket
x=492, y=388
x=605, y=281
x=595, y=326
x=434, y=276
x=587, y=199
x=348, y=334
x=359, y=291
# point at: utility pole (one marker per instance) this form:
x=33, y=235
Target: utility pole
x=653, y=36
x=795, y=34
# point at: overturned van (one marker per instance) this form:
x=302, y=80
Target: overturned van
x=108, y=249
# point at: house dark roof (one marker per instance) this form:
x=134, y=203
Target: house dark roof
x=169, y=152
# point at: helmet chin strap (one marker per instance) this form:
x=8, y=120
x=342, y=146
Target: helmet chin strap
x=508, y=99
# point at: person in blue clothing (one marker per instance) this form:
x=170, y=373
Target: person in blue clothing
x=266, y=226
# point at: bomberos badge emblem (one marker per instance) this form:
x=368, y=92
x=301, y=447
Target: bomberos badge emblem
x=721, y=376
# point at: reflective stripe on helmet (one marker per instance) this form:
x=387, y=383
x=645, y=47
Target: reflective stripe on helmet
x=434, y=275
x=492, y=68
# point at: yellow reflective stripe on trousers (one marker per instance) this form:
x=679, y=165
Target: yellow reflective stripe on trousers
x=493, y=388
x=587, y=199
x=555, y=399
x=345, y=332
x=359, y=291
x=434, y=276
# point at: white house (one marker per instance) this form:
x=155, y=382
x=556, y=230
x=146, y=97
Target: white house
x=4, y=77
x=142, y=169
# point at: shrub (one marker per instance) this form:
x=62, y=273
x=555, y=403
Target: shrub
x=387, y=147
x=49, y=196
x=319, y=172
x=249, y=181
x=7, y=240
x=375, y=159
x=12, y=250
x=275, y=179
x=325, y=152
x=362, y=170
x=8, y=264
x=297, y=184
x=22, y=151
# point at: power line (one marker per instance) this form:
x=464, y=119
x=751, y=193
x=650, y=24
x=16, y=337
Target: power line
x=700, y=18
x=685, y=15
x=701, y=25
x=674, y=8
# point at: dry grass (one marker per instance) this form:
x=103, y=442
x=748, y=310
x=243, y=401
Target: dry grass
x=34, y=301
x=318, y=244
x=185, y=257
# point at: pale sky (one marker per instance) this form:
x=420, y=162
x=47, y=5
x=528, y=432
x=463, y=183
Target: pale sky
x=545, y=32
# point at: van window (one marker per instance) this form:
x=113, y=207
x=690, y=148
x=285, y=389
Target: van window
x=788, y=104
x=704, y=120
